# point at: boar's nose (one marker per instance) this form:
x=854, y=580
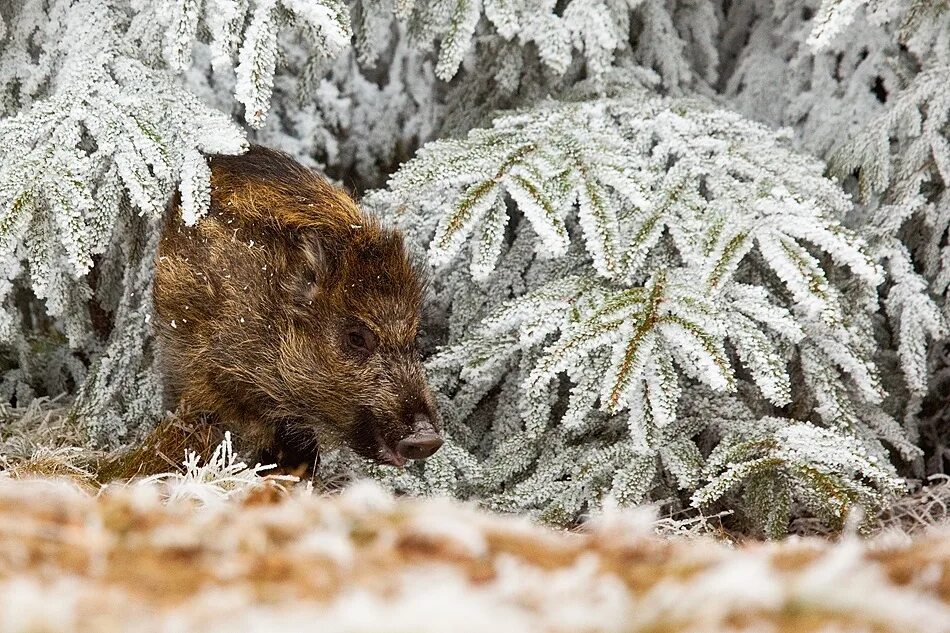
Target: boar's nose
x=423, y=442
x=419, y=445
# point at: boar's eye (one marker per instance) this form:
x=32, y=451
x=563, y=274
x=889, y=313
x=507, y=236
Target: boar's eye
x=361, y=338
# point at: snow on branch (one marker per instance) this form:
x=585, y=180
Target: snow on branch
x=666, y=248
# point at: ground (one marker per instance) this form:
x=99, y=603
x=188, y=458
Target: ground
x=218, y=546
x=210, y=552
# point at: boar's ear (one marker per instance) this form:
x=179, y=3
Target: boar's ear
x=313, y=265
x=313, y=250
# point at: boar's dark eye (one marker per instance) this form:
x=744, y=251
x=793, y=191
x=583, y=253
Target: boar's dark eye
x=361, y=338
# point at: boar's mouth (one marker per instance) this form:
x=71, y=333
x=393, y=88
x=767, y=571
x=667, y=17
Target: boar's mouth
x=371, y=440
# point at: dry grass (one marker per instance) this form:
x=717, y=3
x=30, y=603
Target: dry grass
x=160, y=451
x=142, y=557
x=41, y=441
x=43, y=424
x=212, y=545
x=921, y=510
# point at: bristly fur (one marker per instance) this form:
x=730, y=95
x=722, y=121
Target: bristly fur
x=254, y=301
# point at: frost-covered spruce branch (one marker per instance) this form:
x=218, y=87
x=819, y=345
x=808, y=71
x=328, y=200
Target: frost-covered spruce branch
x=240, y=34
x=913, y=19
x=418, y=71
x=779, y=459
x=901, y=162
x=864, y=84
x=498, y=52
x=667, y=257
x=593, y=29
x=92, y=138
x=97, y=129
x=630, y=286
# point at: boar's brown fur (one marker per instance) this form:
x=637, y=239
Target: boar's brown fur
x=289, y=316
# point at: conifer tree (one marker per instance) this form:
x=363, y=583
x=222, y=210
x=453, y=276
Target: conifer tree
x=693, y=253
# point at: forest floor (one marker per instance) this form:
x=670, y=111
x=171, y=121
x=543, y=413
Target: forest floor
x=218, y=547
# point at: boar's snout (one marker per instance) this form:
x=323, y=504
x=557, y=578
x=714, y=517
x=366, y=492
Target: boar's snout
x=422, y=442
